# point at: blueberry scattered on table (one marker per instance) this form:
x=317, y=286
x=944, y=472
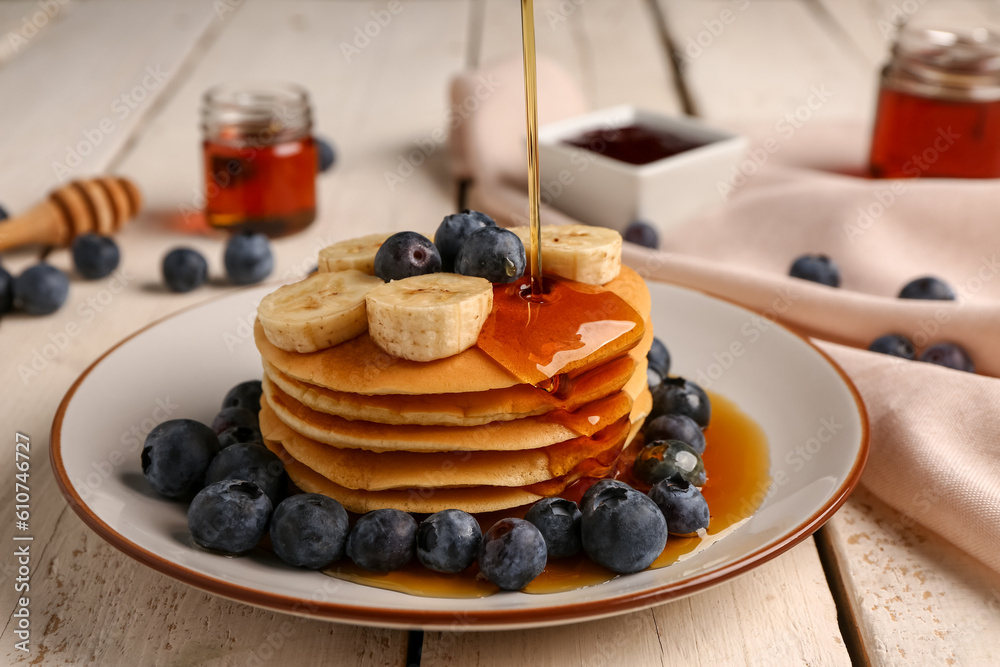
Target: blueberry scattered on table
x=309, y=530
x=227, y=418
x=659, y=358
x=229, y=516
x=236, y=434
x=816, y=268
x=41, y=289
x=677, y=396
x=684, y=508
x=453, y=231
x=6, y=291
x=448, y=541
x=950, y=355
x=244, y=395
x=623, y=530
x=675, y=427
x=642, y=233
x=492, y=253
x=558, y=520
x=406, y=254
x=184, y=269
x=512, y=554
x=669, y=459
x=326, y=156
x=95, y=256
x=175, y=456
x=248, y=258
x=253, y=463
x=927, y=288
x=382, y=541
x=894, y=345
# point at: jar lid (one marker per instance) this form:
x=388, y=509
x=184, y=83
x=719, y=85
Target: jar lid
x=961, y=64
x=256, y=113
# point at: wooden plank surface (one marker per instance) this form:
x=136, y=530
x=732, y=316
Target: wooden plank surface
x=375, y=107
x=779, y=614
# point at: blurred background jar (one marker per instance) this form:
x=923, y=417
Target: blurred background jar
x=260, y=158
x=939, y=99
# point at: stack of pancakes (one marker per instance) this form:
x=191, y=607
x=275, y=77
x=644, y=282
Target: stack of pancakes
x=375, y=431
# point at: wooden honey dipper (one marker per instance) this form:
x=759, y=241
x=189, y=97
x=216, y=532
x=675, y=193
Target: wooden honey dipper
x=98, y=205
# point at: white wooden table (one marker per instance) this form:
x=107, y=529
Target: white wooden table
x=871, y=587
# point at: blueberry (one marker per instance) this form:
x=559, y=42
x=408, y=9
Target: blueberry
x=448, y=541
x=309, y=530
x=248, y=258
x=558, y=520
x=683, y=506
x=406, y=254
x=41, y=290
x=176, y=455
x=325, y=155
x=492, y=253
x=659, y=358
x=653, y=379
x=252, y=462
x=244, y=395
x=816, y=268
x=229, y=516
x=184, y=269
x=227, y=418
x=95, y=256
x=382, y=541
x=676, y=427
x=453, y=231
x=623, y=530
x=894, y=345
x=928, y=287
x=669, y=459
x=235, y=434
x=642, y=233
x=6, y=291
x=949, y=355
x=512, y=553
x=678, y=396
x=594, y=492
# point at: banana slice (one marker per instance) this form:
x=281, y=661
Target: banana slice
x=358, y=254
x=586, y=254
x=429, y=317
x=319, y=312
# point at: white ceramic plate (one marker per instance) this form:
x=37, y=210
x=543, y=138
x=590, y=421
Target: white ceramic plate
x=183, y=365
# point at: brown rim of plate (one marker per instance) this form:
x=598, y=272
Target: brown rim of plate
x=485, y=619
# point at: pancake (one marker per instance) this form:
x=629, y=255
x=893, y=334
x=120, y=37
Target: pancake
x=526, y=433
x=472, y=499
x=359, y=366
x=458, y=409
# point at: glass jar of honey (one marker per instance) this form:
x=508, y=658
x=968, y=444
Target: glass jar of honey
x=260, y=159
x=939, y=102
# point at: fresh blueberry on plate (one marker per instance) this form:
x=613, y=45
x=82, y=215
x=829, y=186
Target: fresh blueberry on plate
x=492, y=253
x=659, y=358
x=95, y=256
x=816, y=268
x=237, y=434
x=229, y=516
x=406, y=254
x=453, y=231
x=895, y=345
x=244, y=395
x=41, y=290
x=227, y=418
x=929, y=288
x=252, y=462
x=558, y=520
x=623, y=530
x=512, y=554
x=176, y=455
x=669, y=459
x=382, y=541
x=448, y=541
x=590, y=497
x=675, y=427
x=677, y=396
x=184, y=269
x=682, y=504
x=309, y=530
x=248, y=258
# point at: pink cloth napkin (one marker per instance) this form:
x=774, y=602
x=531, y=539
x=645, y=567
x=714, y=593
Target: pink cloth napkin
x=935, y=432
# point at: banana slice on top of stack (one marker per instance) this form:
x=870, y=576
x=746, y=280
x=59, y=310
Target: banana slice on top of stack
x=377, y=394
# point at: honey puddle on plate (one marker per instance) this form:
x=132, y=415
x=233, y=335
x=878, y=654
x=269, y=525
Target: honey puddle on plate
x=738, y=468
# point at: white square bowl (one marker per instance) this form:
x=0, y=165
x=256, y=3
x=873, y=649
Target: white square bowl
x=599, y=190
